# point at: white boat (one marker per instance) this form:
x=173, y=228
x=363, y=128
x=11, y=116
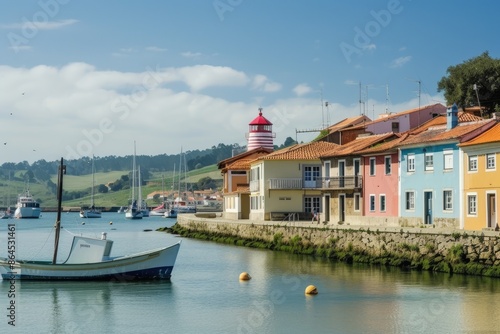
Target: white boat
x=27, y=206
x=158, y=211
x=92, y=211
x=90, y=259
x=134, y=211
x=7, y=214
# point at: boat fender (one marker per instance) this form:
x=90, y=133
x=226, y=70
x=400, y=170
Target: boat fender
x=311, y=290
x=244, y=276
x=103, y=236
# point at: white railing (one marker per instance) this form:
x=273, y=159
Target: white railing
x=287, y=183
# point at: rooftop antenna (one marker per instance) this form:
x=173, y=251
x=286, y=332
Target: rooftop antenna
x=387, y=99
x=477, y=97
x=327, y=115
x=322, y=111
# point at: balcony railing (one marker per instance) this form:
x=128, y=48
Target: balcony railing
x=340, y=182
x=286, y=183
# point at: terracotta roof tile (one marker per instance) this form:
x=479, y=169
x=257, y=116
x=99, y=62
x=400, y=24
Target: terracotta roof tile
x=440, y=133
x=309, y=151
x=348, y=122
x=490, y=136
x=360, y=143
x=432, y=107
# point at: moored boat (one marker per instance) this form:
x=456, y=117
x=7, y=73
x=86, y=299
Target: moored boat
x=90, y=259
x=27, y=206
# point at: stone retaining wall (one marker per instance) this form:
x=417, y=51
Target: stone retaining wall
x=454, y=246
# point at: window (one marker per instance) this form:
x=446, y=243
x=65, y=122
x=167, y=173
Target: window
x=490, y=161
x=387, y=165
x=372, y=203
x=311, y=204
x=472, y=163
x=447, y=200
x=372, y=166
x=410, y=200
x=311, y=173
x=429, y=161
x=357, y=201
x=382, y=203
x=448, y=160
x=410, y=167
x=395, y=126
x=472, y=204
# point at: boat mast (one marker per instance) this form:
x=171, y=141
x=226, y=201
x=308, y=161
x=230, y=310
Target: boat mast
x=62, y=170
x=93, y=185
x=133, y=178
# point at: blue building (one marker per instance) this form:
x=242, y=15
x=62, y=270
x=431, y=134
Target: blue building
x=430, y=183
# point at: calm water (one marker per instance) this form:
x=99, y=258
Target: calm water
x=205, y=295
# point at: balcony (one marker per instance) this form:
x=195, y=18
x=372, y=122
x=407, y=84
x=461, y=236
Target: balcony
x=340, y=182
x=286, y=183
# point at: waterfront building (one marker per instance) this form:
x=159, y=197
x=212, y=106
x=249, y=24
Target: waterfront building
x=481, y=180
x=343, y=180
x=284, y=183
x=430, y=170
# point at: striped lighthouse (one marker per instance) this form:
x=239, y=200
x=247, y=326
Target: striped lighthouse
x=260, y=133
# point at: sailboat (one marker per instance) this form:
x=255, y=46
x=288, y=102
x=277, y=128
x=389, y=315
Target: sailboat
x=180, y=205
x=90, y=259
x=91, y=212
x=134, y=211
x=142, y=204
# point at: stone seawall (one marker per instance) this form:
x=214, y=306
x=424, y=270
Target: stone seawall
x=445, y=250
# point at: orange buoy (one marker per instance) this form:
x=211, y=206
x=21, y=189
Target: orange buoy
x=244, y=276
x=311, y=290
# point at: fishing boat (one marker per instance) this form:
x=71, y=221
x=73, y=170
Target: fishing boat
x=7, y=214
x=27, y=206
x=92, y=211
x=90, y=259
x=134, y=210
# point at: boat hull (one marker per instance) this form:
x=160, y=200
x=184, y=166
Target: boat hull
x=154, y=264
x=27, y=212
x=90, y=214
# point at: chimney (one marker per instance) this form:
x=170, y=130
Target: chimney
x=452, y=117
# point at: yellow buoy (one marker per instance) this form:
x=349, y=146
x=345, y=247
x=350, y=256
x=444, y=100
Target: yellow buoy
x=311, y=290
x=244, y=276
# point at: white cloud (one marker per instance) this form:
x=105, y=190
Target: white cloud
x=17, y=48
x=398, y=62
x=370, y=47
x=155, y=49
x=81, y=109
x=302, y=89
x=48, y=25
x=262, y=83
x=189, y=54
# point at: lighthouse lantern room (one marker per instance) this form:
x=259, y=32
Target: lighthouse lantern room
x=260, y=134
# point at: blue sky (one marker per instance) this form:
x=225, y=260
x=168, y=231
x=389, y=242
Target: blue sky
x=89, y=77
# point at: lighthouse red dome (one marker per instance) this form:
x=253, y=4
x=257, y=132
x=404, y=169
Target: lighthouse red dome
x=260, y=133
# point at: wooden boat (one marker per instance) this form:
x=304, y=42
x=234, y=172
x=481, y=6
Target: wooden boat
x=90, y=259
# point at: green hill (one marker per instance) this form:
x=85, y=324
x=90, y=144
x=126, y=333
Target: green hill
x=77, y=188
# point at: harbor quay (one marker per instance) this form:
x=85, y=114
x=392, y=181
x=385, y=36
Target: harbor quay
x=435, y=249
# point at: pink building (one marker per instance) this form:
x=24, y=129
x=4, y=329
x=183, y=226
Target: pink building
x=380, y=191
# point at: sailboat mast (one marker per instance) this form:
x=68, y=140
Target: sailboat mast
x=93, y=185
x=62, y=171
x=133, y=177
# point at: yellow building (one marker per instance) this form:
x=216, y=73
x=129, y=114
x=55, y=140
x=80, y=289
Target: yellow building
x=481, y=180
x=288, y=182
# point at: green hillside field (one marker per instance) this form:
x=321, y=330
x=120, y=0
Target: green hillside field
x=10, y=189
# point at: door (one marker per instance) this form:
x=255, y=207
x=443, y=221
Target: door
x=341, y=173
x=428, y=207
x=341, y=208
x=492, y=211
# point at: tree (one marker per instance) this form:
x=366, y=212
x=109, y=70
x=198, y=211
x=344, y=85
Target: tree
x=482, y=71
